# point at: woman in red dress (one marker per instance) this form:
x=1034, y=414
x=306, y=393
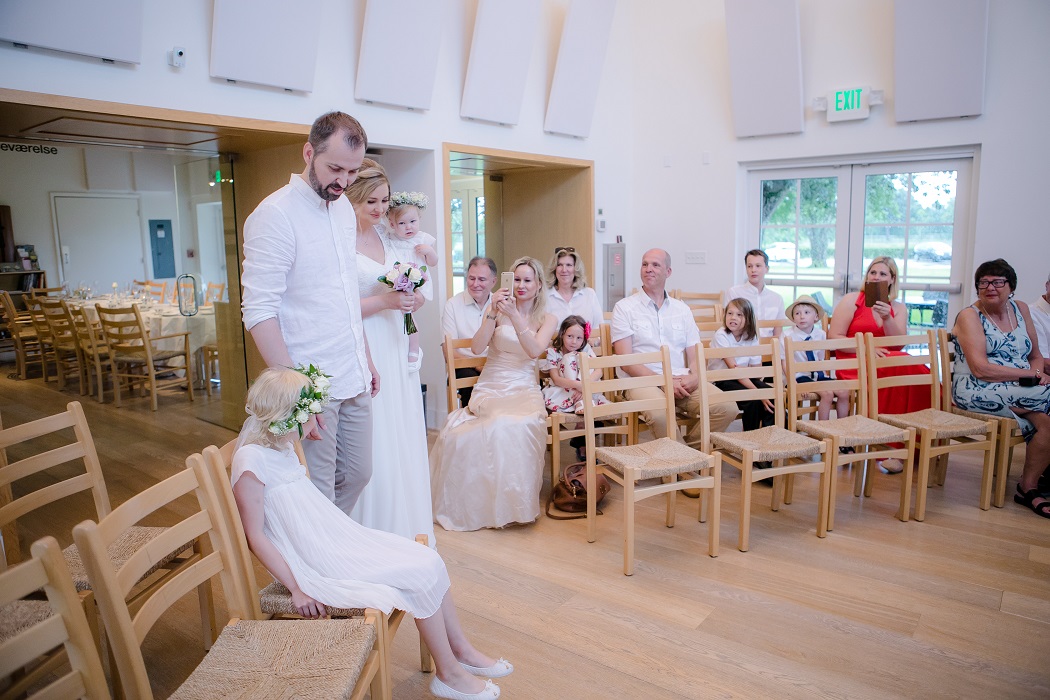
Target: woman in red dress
x=852, y=316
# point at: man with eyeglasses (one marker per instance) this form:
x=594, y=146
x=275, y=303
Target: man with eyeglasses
x=462, y=315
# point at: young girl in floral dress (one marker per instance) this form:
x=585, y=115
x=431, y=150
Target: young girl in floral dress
x=563, y=362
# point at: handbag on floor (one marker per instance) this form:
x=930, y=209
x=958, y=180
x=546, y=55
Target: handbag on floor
x=569, y=493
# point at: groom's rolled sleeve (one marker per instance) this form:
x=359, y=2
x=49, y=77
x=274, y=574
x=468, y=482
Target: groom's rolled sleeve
x=269, y=252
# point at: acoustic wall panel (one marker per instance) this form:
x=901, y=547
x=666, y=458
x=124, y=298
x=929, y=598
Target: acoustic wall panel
x=765, y=66
x=581, y=54
x=107, y=29
x=940, y=49
x=500, y=52
x=399, y=52
x=268, y=42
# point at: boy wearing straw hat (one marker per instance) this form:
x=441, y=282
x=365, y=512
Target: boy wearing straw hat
x=805, y=312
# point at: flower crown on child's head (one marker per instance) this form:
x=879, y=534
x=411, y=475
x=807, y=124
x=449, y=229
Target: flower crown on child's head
x=415, y=199
x=312, y=399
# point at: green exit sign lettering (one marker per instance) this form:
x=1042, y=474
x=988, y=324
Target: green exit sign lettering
x=849, y=103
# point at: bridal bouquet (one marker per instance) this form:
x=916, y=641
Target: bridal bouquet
x=406, y=277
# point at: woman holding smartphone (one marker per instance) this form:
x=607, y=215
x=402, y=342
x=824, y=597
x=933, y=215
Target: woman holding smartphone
x=487, y=462
x=998, y=370
x=856, y=313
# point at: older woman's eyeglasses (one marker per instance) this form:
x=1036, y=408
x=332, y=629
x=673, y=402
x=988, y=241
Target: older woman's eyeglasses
x=998, y=284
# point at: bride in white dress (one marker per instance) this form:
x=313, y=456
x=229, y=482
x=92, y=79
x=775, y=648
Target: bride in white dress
x=325, y=558
x=487, y=463
x=397, y=498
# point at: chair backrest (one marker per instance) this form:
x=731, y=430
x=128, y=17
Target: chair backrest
x=111, y=583
x=67, y=626
x=39, y=320
x=60, y=323
x=89, y=338
x=214, y=293
x=82, y=448
x=125, y=331
x=706, y=306
x=707, y=331
x=614, y=385
x=158, y=291
x=946, y=364
x=854, y=360
x=770, y=352
x=774, y=323
x=10, y=315
x=454, y=361
x=40, y=292
x=922, y=351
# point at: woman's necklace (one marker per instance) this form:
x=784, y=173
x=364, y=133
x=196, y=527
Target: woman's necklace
x=369, y=244
x=1004, y=318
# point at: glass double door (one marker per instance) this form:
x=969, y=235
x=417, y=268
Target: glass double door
x=821, y=227
x=467, y=205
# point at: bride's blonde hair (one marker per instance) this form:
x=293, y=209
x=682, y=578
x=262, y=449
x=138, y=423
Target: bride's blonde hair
x=539, y=302
x=272, y=398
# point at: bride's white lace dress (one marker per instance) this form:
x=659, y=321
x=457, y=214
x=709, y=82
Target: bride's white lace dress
x=397, y=498
x=487, y=463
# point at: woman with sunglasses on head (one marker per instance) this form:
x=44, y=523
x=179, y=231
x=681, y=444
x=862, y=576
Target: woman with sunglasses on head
x=998, y=370
x=568, y=293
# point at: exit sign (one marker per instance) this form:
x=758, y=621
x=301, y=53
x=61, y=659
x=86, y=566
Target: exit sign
x=849, y=103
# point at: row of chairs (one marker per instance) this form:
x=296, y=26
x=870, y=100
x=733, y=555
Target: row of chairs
x=158, y=291
x=55, y=333
x=796, y=443
x=134, y=578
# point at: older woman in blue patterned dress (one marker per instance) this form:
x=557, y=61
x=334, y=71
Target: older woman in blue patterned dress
x=998, y=370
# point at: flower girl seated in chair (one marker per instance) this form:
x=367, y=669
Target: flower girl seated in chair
x=325, y=558
x=564, y=395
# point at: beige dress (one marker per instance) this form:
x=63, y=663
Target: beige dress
x=487, y=464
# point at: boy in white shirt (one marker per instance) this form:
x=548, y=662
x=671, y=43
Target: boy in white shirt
x=805, y=312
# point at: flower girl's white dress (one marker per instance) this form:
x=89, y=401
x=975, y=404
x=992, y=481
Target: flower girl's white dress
x=335, y=560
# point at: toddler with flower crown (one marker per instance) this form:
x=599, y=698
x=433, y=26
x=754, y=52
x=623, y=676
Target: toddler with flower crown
x=414, y=246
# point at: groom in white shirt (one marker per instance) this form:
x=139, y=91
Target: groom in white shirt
x=302, y=306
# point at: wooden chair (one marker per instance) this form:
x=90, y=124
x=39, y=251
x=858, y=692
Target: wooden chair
x=43, y=336
x=39, y=292
x=130, y=542
x=454, y=361
x=158, y=291
x=133, y=358
x=672, y=465
x=774, y=323
x=939, y=432
x=23, y=335
x=790, y=452
x=706, y=306
x=1009, y=434
x=60, y=633
x=274, y=600
x=214, y=293
x=94, y=351
x=869, y=438
x=315, y=658
x=707, y=331
x=62, y=336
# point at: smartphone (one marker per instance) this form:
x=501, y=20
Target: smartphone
x=1028, y=381
x=506, y=280
x=876, y=291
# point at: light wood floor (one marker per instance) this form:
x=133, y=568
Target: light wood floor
x=956, y=606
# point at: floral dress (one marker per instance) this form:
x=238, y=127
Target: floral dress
x=1006, y=350
x=559, y=399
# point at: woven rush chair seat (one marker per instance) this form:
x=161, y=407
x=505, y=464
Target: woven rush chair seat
x=304, y=659
x=158, y=356
x=854, y=430
x=22, y=614
x=941, y=425
x=130, y=541
x=655, y=459
x=768, y=444
x=275, y=599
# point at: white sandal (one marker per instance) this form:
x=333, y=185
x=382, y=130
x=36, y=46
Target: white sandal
x=497, y=670
x=439, y=689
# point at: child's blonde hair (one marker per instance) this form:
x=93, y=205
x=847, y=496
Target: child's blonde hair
x=272, y=398
x=743, y=306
